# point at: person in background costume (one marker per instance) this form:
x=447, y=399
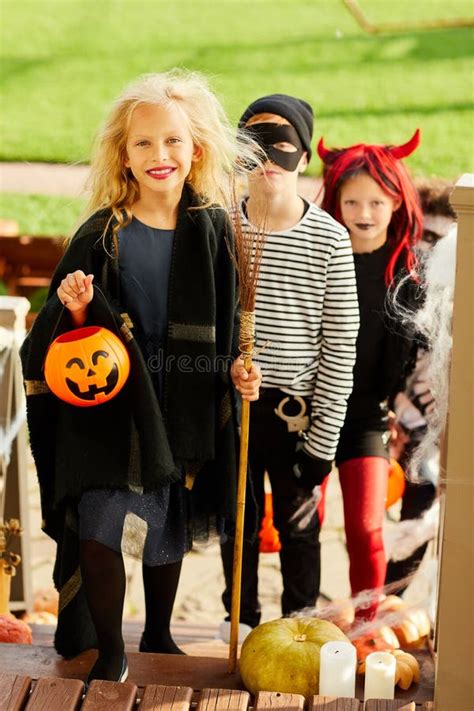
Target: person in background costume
x=152, y=264
x=438, y=215
x=306, y=327
x=367, y=188
x=413, y=405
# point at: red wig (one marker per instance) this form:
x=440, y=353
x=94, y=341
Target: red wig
x=383, y=164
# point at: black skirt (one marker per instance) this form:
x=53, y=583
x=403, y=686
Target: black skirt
x=152, y=526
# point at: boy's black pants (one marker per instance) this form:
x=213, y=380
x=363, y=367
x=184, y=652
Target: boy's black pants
x=272, y=449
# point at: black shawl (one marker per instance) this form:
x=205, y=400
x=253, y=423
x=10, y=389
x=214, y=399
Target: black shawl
x=129, y=441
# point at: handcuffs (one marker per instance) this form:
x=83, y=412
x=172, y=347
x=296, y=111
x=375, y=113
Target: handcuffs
x=296, y=423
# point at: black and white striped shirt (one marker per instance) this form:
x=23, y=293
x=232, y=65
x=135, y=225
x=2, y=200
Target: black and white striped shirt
x=307, y=308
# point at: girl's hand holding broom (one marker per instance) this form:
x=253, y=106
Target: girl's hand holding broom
x=247, y=383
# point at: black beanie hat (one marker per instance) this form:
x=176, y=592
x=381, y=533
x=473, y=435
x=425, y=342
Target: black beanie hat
x=298, y=112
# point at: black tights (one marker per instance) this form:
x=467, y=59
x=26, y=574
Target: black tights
x=103, y=577
x=160, y=583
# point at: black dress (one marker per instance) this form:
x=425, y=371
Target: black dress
x=364, y=433
x=148, y=525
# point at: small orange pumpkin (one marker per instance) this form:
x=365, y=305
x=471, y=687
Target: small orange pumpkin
x=46, y=601
x=40, y=618
x=382, y=639
x=269, y=536
x=396, y=483
x=87, y=366
x=14, y=631
x=407, y=669
x=414, y=625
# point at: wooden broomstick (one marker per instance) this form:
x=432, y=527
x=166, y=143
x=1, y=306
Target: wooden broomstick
x=247, y=257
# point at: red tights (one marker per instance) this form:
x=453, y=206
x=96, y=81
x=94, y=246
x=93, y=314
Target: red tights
x=364, y=489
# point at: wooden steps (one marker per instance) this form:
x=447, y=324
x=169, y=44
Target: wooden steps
x=36, y=678
x=54, y=694
x=182, y=632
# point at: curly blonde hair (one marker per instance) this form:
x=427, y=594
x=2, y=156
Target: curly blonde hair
x=224, y=151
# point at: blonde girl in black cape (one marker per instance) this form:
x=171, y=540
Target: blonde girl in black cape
x=151, y=262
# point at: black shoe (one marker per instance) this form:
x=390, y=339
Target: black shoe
x=124, y=671
x=170, y=648
x=143, y=646
x=122, y=676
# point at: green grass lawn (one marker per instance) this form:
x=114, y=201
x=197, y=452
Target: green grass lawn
x=65, y=60
x=42, y=214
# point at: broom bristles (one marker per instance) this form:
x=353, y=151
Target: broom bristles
x=247, y=256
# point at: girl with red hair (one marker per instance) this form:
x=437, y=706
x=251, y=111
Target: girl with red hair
x=367, y=188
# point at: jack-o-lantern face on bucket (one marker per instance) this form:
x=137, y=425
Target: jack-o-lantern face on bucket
x=87, y=366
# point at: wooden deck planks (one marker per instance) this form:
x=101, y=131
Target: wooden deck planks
x=107, y=695
x=163, y=669
x=223, y=700
x=173, y=671
x=182, y=632
x=58, y=694
x=332, y=703
x=166, y=698
x=277, y=700
x=53, y=694
x=14, y=691
x=388, y=705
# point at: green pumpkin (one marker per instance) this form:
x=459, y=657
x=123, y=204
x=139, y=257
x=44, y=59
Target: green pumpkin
x=283, y=655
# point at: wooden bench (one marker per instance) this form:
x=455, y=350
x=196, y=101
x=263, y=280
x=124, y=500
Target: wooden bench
x=27, y=263
x=55, y=694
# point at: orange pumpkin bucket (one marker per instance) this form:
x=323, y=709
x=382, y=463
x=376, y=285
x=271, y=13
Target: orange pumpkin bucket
x=396, y=483
x=87, y=366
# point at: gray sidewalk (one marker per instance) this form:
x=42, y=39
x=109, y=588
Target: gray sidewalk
x=43, y=178
x=69, y=180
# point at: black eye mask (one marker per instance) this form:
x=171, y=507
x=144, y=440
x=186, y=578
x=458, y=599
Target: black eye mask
x=267, y=134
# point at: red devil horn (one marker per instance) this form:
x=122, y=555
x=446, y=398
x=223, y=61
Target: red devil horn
x=408, y=148
x=323, y=152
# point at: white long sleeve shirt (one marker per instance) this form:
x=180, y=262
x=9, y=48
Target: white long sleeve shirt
x=307, y=308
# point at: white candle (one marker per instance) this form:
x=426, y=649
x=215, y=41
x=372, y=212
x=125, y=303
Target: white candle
x=379, y=676
x=337, y=670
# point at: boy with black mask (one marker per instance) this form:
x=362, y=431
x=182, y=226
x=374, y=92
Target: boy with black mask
x=306, y=308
